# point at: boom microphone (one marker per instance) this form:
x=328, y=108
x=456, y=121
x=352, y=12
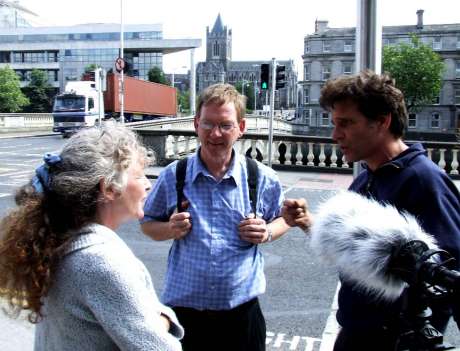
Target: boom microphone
x=366, y=240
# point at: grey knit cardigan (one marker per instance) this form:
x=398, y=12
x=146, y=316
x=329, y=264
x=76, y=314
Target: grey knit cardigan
x=102, y=298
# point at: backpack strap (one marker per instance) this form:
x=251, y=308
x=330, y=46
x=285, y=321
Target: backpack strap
x=181, y=170
x=253, y=172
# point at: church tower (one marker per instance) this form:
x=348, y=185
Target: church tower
x=219, y=43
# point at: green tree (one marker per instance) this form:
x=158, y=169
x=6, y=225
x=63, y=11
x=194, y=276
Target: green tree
x=91, y=67
x=39, y=92
x=248, y=92
x=417, y=71
x=183, y=101
x=12, y=98
x=156, y=75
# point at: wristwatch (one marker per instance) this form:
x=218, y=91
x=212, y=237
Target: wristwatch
x=270, y=235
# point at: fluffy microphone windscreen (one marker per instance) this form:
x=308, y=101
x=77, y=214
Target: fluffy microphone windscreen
x=359, y=236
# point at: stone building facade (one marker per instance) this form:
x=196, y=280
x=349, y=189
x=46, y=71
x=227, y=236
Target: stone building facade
x=330, y=52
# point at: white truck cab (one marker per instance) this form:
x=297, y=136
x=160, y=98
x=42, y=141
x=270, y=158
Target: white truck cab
x=78, y=107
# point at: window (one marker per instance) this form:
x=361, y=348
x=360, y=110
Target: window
x=306, y=95
x=17, y=57
x=52, y=76
x=306, y=116
x=435, y=120
x=457, y=95
x=458, y=42
x=325, y=120
x=326, y=46
x=306, y=72
x=307, y=46
x=348, y=46
x=436, y=100
x=437, y=43
x=215, y=49
x=457, y=70
x=326, y=74
x=347, y=68
x=52, y=57
x=90, y=103
x=412, y=122
x=389, y=41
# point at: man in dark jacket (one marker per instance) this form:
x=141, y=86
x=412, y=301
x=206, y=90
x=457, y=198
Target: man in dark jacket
x=369, y=117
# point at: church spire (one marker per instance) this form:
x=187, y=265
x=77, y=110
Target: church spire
x=218, y=26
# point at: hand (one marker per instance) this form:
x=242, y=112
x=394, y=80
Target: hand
x=253, y=230
x=180, y=223
x=295, y=213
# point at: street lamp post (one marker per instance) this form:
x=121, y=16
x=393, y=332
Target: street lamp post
x=122, y=82
x=255, y=95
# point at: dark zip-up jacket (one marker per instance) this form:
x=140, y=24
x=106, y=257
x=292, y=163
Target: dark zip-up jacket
x=413, y=183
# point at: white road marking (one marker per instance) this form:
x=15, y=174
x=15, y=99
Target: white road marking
x=332, y=327
x=14, y=146
x=296, y=342
x=16, y=173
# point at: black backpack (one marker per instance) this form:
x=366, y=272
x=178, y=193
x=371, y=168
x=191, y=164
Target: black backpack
x=251, y=166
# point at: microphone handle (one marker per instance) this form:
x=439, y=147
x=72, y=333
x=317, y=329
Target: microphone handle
x=437, y=274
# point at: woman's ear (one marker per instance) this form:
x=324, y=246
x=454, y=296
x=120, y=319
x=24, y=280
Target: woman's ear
x=108, y=194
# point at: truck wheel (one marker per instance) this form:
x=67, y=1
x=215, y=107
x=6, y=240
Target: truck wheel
x=66, y=135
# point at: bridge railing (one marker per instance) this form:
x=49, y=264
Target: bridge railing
x=25, y=121
x=288, y=151
x=174, y=138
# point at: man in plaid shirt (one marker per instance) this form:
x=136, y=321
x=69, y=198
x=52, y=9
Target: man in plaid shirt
x=215, y=267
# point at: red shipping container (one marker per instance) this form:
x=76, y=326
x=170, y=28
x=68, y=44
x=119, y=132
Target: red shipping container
x=141, y=97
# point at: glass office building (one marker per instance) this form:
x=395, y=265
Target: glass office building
x=65, y=52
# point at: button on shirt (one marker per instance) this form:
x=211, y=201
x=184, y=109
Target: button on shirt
x=211, y=267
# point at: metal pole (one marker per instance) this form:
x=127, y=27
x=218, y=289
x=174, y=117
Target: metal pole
x=255, y=96
x=172, y=79
x=368, y=45
x=368, y=37
x=192, y=83
x=272, y=107
x=98, y=76
x=122, y=73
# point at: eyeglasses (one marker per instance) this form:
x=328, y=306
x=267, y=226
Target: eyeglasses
x=223, y=127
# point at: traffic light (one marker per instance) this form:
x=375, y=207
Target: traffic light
x=280, y=77
x=264, y=75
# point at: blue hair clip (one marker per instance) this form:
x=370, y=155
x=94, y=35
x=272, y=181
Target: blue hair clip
x=41, y=180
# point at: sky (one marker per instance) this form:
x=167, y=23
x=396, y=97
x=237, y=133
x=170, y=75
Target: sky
x=261, y=29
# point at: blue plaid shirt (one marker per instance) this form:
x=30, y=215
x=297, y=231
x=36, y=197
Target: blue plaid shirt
x=211, y=267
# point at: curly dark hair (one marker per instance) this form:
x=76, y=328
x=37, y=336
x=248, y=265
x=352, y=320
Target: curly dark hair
x=34, y=235
x=374, y=95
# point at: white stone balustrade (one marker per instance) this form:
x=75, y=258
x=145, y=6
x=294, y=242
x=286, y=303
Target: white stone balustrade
x=291, y=150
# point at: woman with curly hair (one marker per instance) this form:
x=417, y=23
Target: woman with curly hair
x=61, y=259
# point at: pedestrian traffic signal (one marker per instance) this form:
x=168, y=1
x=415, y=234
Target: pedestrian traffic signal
x=280, y=77
x=264, y=76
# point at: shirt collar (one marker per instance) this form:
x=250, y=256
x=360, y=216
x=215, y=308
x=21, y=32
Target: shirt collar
x=233, y=172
